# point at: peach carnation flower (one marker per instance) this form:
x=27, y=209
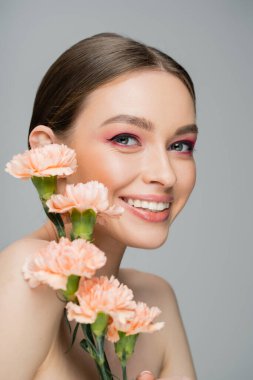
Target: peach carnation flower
x=83, y=196
x=140, y=322
x=101, y=294
x=53, y=264
x=49, y=160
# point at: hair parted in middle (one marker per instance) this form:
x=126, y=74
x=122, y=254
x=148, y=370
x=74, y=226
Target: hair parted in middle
x=86, y=66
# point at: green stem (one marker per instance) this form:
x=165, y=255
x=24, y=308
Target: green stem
x=103, y=363
x=107, y=366
x=56, y=219
x=123, y=366
x=94, y=346
x=104, y=373
x=124, y=373
x=100, y=372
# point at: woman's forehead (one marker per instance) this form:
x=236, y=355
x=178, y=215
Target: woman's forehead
x=148, y=90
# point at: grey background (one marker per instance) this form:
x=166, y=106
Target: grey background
x=208, y=256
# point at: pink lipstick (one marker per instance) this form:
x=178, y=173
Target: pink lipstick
x=145, y=214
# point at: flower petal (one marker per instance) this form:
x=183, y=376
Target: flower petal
x=83, y=196
x=49, y=160
x=100, y=294
x=54, y=263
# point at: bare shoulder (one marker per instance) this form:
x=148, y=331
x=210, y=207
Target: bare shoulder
x=12, y=257
x=21, y=248
x=156, y=291
x=23, y=310
x=148, y=287
x=12, y=283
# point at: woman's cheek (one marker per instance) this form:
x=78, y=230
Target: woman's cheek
x=116, y=170
x=192, y=176
x=106, y=164
x=186, y=179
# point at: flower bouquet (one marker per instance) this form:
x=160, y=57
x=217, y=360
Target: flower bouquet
x=102, y=307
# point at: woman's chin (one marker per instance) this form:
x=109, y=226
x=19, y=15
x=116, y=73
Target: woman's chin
x=134, y=236
x=151, y=241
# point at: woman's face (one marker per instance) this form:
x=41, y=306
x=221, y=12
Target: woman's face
x=140, y=154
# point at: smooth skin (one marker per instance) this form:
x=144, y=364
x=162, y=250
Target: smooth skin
x=34, y=336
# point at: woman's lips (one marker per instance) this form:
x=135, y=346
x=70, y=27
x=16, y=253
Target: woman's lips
x=150, y=216
x=150, y=197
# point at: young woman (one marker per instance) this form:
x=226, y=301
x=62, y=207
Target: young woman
x=129, y=112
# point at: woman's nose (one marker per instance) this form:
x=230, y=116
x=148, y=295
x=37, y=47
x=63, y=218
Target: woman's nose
x=159, y=169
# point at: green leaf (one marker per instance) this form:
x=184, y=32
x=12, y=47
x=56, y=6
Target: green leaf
x=88, y=335
x=88, y=348
x=84, y=344
x=66, y=320
x=73, y=337
x=56, y=219
x=74, y=334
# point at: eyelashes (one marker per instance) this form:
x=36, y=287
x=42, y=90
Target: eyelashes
x=124, y=137
x=123, y=140
x=189, y=144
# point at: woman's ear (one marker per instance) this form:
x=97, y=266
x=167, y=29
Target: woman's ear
x=41, y=135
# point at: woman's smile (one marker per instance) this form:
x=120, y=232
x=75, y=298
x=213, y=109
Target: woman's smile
x=136, y=135
x=148, y=210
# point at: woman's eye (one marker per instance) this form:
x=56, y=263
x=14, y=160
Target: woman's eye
x=183, y=146
x=125, y=139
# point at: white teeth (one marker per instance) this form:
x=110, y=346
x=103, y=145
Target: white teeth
x=160, y=206
x=144, y=204
x=130, y=201
x=137, y=203
x=153, y=206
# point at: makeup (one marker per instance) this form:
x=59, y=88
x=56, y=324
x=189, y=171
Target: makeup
x=147, y=215
x=190, y=144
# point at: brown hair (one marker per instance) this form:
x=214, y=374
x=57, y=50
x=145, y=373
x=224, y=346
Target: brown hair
x=87, y=65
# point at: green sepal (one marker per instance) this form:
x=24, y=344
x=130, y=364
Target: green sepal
x=100, y=324
x=72, y=286
x=83, y=224
x=46, y=186
x=124, y=347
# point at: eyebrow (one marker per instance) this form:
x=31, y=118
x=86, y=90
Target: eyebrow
x=147, y=125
